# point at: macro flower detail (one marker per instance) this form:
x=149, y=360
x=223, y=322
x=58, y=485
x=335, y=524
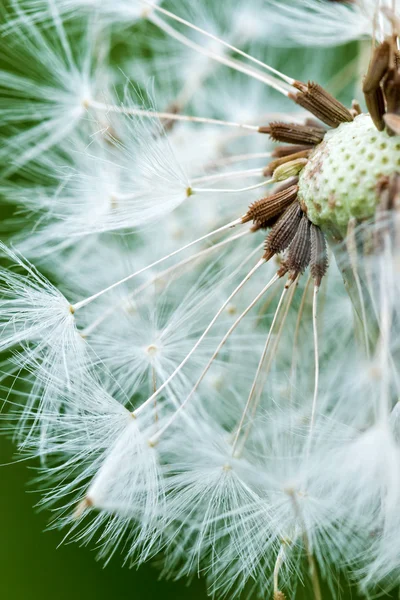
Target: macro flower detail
x=341, y=179
x=209, y=372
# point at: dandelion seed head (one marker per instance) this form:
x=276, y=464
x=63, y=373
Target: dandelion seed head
x=340, y=181
x=223, y=384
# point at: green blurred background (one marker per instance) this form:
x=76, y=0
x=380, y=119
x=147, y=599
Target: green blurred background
x=33, y=566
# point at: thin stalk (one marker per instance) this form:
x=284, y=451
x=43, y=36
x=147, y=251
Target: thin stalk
x=316, y=369
x=230, y=174
x=234, y=64
x=221, y=344
x=261, y=64
x=383, y=347
x=364, y=313
x=353, y=256
x=227, y=160
x=307, y=546
x=279, y=562
x=151, y=114
x=300, y=312
x=86, y=301
x=257, y=375
x=267, y=367
x=232, y=190
x=199, y=255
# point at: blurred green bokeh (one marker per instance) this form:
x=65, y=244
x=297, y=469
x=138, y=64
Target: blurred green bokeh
x=34, y=567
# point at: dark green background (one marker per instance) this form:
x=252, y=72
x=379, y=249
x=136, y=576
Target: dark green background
x=32, y=567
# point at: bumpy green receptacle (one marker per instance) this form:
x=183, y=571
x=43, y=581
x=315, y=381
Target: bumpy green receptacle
x=340, y=180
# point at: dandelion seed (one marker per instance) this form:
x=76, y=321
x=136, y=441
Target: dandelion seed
x=47, y=82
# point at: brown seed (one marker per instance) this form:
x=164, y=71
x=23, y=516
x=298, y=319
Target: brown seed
x=373, y=93
x=388, y=191
x=319, y=256
x=278, y=188
x=300, y=249
x=282, y=151
x=375, y=102
x=382, y=191
x=270, y=168
x=283, y=231
x=293, y=133
x=321, y=104
x=270, y=207
x=378, y=66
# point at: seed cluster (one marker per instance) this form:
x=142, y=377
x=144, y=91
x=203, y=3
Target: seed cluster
x=333, y=176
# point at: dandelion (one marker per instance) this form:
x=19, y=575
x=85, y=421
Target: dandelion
x=216, y=375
